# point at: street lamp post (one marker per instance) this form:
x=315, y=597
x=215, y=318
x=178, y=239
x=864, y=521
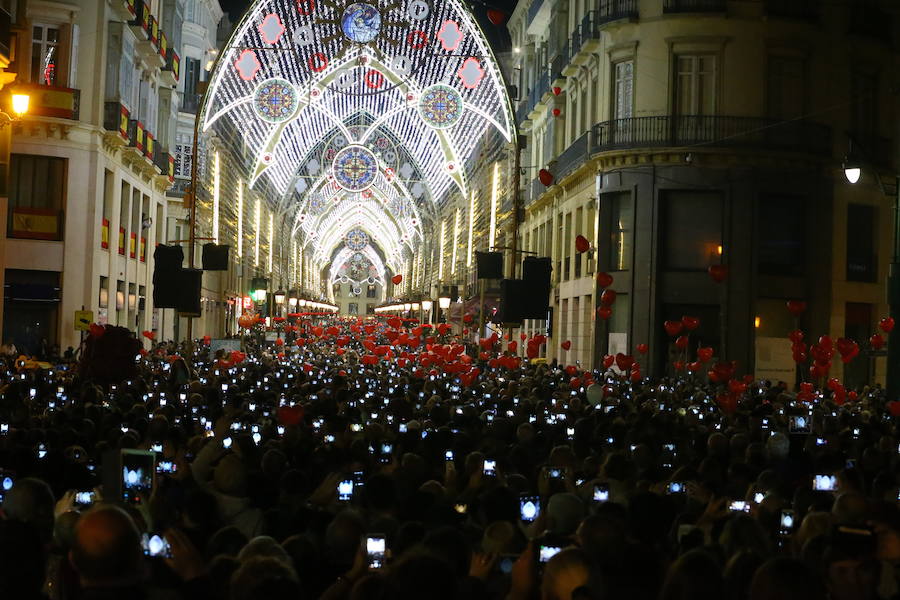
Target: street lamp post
x=426, y=309
x=444, y=304
x=853, y=171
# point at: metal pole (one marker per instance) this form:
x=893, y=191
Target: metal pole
x=192, y=237
x=892, y=378
x=517, y=203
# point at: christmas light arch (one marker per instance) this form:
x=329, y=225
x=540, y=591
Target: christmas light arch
x=410, y=85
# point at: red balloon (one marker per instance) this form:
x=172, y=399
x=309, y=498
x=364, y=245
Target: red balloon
x=704, y=354
x=467, y=318
x=150, y=335
x=582, y=244
x=682, y=342
x=523, y=336
x=796, y=336
x=608, y=297
x=642, y=348
x=718, y=273
x=513, y=346
x=825, y=342
x=796, y=307
x=608, y=361
x=673, y=328
x=624, y=361
x=604, y=312
x=556, y=112
x=566, y=345
x=557, y=90
x=894, y=408
x=496, y=17
x=546, y=177
x=690, y=323
x=886, y=324
x=876, y=341
x=572, y=370
x=604, y=280
x=396, y=279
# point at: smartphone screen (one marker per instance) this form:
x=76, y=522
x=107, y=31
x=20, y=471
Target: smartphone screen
x=489, y=467
x=601, y=492
x=375, y=550
x=156, y=545
x=138, y=469
x=85, y=498
x=825, y=483
x=787, y=520
x=739, y=506
x=345, y=490
x=548, y=552
x=529, y=508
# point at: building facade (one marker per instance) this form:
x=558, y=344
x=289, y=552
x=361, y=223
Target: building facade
x=91, y=163
x=682, y=134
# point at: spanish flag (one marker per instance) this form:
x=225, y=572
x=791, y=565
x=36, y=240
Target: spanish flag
x=35, y=223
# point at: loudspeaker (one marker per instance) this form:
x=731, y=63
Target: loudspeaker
x=536, y=275
x=215, y=257
x=188, y=294
x=489, y=265
x=165, y=288
x=512, y=300
x=167, y=258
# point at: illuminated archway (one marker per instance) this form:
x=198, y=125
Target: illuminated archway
x=359, y=115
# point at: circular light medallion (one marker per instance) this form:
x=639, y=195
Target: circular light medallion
x=440, y=106
x=361, y=22
x=354, y=168
x=275, y=100
x=356, y=239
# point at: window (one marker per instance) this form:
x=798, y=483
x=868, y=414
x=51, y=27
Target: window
x=861, y=240
x=353, y=308
x=183, y=149
x=623, y=85
x=691, y=229
x=37, y=181
x=781, y=234
x=695, y=84
x=44, y=54
x=370, y=308
x=370, y=291
x=620, y=211
x=786, y=91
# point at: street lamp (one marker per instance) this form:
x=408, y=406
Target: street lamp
x=426, y=308
x=444, y=302
x=292, y=299
x=279, y=297
x=20, y=104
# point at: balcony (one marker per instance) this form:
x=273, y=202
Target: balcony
x=115, y=119
x=801, y=10
x=537, y=91
x=688, y=130
x=52, y=101
x=694, y=6
x=867, y=19
x=572, y=157
x=172, y=69
x=584, y=40
x=616, y=10
x=124, y=9
x=165, y=162
x=35, y=223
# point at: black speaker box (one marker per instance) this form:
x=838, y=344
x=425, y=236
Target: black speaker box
x=512, y=296
x=215, y=257
x=167, y=258
x=188, y=293
x=165, y=288
x=489, y=264
x=536, y=275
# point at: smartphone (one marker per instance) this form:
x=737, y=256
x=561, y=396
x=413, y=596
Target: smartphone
x=799, y=424
x=448, y=455
x=739, y=506
x=529, y=507
x=758, y=497
x=786, y=524
x=166, y=466
x=505, y=563
x=375, y=550
x=675, y=487
x=356, y=427
x=824, y=483
x=548, y=552
x=7, y=479
x=345, y=490
x=4, y=428
x=85, y=498
x=156, y=545
x=554, y=473
x=138, y=475
x=820, y=441
x=156, y=447
x=601, y=492
x=329, y=438
x=490, y=467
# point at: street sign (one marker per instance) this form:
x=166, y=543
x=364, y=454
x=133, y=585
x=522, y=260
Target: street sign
x=83, y=320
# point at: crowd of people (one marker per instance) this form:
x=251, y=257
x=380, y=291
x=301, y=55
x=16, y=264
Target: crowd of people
x=303, y=472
